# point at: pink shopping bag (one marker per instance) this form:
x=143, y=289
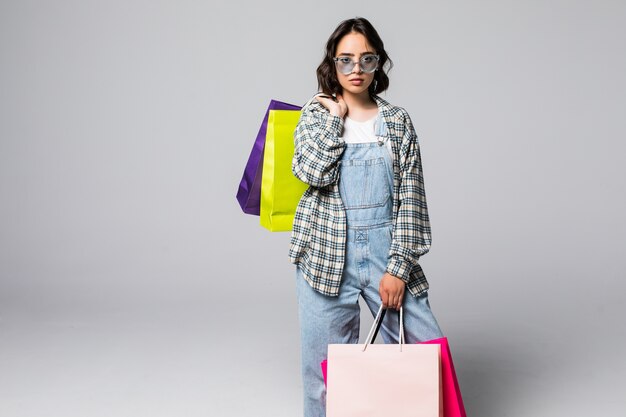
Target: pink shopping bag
x=373, y=380
x=452, y=400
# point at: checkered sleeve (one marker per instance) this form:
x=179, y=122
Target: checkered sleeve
x=317, y=146
x=411, y=237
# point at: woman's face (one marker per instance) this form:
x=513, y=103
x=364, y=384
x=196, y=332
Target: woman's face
x=354, y=45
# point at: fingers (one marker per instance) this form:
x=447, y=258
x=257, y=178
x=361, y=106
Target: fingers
x=324, y=101
x=334, y=107
x=391, y=299
x=391, y=292
x=395, y=301
x=399, y=303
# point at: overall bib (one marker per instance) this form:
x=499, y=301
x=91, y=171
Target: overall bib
x=366, y=188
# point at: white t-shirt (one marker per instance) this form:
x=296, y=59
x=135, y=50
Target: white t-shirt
x=362, y=132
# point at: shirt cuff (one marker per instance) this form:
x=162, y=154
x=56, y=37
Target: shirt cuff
x=398, y=267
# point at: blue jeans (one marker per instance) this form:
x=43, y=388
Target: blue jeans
x=365, y=181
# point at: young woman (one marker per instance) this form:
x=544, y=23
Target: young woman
x=362, y=224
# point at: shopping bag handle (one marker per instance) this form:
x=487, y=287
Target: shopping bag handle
x=378, y=321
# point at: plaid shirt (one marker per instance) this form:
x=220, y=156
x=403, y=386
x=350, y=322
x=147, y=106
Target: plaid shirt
x=318, y=238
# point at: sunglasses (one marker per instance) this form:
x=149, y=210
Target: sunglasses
x=368, y=63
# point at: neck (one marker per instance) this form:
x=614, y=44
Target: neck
x=358, y=101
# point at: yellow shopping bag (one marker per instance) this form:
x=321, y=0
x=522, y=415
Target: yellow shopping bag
x=280, y=189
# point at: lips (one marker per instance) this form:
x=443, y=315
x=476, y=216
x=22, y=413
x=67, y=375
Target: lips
x=357, y=81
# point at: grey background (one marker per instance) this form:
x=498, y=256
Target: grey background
x=132, y=285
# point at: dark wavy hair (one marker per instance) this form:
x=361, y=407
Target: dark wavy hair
x=327, y=80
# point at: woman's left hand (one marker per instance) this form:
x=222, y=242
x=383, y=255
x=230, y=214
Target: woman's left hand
x=391, y=291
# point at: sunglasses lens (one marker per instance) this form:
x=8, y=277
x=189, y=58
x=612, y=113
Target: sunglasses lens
x=368, y=63
x=345, y=66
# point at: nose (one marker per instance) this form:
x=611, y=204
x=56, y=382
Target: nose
x=360, y=69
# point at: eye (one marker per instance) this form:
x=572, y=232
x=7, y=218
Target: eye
x=368, y=58
x=345, y=60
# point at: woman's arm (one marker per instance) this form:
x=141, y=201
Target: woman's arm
x=411, y=236
x=318, y=146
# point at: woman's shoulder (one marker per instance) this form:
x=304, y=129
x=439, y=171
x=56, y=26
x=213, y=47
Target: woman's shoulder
x=392, y=110
x=399, y=118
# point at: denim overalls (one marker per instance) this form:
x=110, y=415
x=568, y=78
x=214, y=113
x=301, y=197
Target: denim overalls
x=366, y=188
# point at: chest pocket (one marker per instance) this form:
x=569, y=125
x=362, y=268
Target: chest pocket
x=364, y=183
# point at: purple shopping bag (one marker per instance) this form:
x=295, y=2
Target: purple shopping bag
x=249, y=192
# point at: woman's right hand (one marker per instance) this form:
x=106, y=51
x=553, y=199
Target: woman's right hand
x=336, y=108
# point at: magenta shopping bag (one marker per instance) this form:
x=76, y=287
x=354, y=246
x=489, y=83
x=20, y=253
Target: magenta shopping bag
x=249, y=192
x=452, y=400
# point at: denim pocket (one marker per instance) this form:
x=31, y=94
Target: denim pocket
x=364, y=183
